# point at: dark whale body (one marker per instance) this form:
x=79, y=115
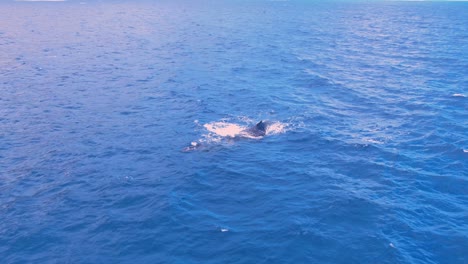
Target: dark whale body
x=259, y=130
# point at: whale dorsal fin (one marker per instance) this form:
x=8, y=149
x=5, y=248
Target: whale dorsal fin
x=260, y=126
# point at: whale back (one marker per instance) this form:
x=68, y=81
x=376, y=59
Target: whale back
x=259, y=130
x=261, y=126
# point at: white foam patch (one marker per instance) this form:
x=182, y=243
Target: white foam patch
x=219, y=131
x=232, y=130
x=225, y=132
x=372, y=141
x=275, y=128
x=458, y=95
x=224, y=129
x=465, y=150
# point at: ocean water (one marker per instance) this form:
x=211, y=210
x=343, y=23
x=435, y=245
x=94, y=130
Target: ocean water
x=124, y=132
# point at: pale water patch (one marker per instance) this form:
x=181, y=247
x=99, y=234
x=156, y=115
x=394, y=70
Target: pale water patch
x=458, y=95
x=275, y=128
x=225, y=129
x=372, y=141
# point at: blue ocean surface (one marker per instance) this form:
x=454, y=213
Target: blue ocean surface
x=126, y=132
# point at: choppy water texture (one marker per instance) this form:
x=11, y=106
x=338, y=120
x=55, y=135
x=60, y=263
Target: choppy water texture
x=367, y=162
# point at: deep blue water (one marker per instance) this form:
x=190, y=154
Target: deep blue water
x=99, y=100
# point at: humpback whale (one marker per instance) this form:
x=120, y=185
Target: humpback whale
x=255, y=132
x=259, y=130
